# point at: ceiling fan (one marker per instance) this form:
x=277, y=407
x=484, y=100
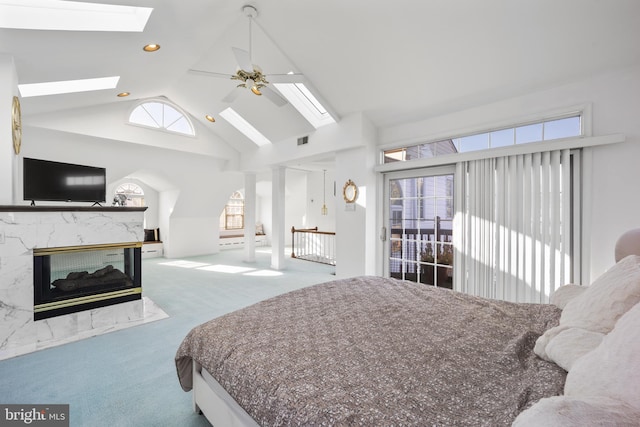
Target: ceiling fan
x=250, y=75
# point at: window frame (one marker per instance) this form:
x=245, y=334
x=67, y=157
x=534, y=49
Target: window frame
x=229, y=206
x=462, y=140
x=165, y=103
x=131, y=196
x=585, y=111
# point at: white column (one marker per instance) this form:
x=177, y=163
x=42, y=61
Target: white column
x=277, y=217
x=249, y=217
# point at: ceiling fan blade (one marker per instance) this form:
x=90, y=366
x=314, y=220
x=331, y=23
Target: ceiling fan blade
x=210, y=73
x=286, y=78
x=272, y=96
x=243, y=59
x=231, y=96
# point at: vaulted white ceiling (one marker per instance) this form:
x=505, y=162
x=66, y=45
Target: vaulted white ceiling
x=394, y=61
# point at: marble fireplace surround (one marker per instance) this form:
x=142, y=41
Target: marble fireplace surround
x=23, y=228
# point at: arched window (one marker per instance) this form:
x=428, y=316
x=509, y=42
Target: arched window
x=232, y=216
x=162, y=116
x=128, y=194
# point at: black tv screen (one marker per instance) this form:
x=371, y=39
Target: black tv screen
x=54, y=181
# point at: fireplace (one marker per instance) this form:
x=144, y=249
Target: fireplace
x=78, y=278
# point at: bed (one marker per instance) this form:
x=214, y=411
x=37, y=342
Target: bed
x=376, y=351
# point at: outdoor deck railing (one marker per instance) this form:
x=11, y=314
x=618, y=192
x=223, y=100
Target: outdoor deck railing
x=313, y=245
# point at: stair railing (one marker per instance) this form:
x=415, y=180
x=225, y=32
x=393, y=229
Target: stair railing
x=312, y=245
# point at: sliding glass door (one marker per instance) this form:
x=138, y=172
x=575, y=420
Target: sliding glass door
x=419, y=213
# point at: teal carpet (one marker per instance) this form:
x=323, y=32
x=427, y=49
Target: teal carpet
x=127, y=378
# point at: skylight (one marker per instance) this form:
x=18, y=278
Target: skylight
x=306, y=103
x=68, y=86
x=244, y=126
x=71, y=16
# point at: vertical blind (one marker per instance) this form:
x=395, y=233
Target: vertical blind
x=514, y=226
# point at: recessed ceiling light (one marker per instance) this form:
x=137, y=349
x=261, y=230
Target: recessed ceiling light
x=72, y=16
x=123, y=94
x=151, y=47
x=68, y=86
x=210, y=118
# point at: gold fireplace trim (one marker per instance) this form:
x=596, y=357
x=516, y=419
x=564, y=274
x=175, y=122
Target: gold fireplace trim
x=85, y=300
x=69, y=249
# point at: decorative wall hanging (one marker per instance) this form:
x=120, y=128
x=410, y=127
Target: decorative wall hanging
x=350, y=192
x=16, y=124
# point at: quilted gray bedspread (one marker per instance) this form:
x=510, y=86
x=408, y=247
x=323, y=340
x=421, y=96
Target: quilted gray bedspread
x=370, y=351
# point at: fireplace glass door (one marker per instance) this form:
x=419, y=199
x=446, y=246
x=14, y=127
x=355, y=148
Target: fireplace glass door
x=72, y=279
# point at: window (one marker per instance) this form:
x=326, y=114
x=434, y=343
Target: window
x=68, y=86
x=238, y=122
x=232, y=217
x=564, y=127
x=72, y=16
x=128, y=194
x=421, y=211
x=306, y=103
x=162, y=116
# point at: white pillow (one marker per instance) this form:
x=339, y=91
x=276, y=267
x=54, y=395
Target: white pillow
x=565, y=411
x=613, y=369
x=566, y=293
x=571, y=344
x=600, y=305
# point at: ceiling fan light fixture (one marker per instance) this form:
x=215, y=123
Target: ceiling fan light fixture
x=324, y=210
x=248, y=75
x=251, y=84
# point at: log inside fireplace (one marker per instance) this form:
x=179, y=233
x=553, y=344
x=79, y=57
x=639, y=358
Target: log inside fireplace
x=78, y=278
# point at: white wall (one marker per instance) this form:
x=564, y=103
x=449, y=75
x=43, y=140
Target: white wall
x=166, y=201
x=352, y=142
x=110, y=121
x=192, y=188
x=350, y=224
x=295, y=198
x=300, y=188
x=315, y=198
x=150, y=199
x=613, y=205
x=343, y=135
x=8, y=159
x=355, y=241
x=263, y=203
x=193, y=236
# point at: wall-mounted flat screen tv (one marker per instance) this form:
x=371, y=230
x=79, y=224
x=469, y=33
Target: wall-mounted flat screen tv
x=45, y=180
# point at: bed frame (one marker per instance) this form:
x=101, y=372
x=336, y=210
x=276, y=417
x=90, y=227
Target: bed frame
x=213, y=401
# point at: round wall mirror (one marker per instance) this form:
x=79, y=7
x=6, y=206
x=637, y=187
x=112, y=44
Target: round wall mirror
x=350, y=191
